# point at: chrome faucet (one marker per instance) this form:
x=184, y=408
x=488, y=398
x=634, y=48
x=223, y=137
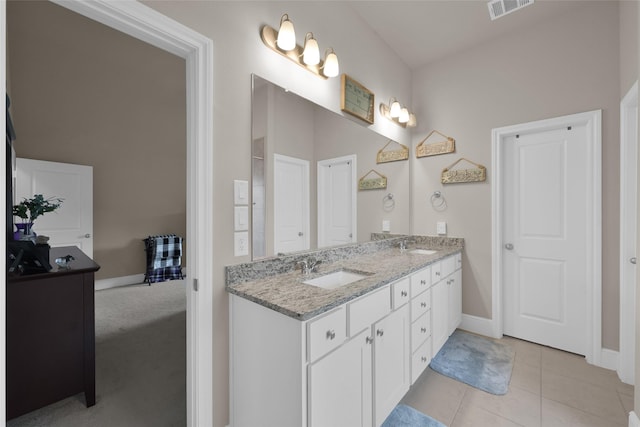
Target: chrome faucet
x=309, y=265
x=403, y=245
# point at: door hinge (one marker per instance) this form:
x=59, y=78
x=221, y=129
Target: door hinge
x=195, y=285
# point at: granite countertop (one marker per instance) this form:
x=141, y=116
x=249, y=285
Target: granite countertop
x=287, y=294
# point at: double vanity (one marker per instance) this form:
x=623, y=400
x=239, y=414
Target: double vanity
x=337, y=337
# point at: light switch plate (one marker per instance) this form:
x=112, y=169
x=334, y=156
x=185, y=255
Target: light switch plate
x=386, y=225
x=240, y=192
x=241, y=243
x=241, y=218
x=441, y=228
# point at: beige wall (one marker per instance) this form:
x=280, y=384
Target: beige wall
x=565, y=65
x=84, y=93
x=628, y=45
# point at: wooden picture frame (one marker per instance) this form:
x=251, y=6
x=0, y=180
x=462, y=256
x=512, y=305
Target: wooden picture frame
x=357, y=100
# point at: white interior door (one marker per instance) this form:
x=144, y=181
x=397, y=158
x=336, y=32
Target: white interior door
x=545, y=244
x=291, y=204
x=337, y=201
x=628, y=232
x=72, y=223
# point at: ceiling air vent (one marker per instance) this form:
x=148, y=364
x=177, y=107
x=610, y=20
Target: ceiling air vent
x=498, y=8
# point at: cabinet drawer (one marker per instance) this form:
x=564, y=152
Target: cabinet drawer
x=420, y=281
x=436, y=275
x=420, y=305
x=420, y=360
x=400, y=292
x=367, y=310
x=458, y=261
x=448, y=266
x=326, y=333
x=420, y=331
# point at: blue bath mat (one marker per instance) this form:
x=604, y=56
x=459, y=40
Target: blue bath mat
x=480, y=362
x=406, y=416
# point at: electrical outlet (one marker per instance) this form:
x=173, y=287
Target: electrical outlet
x=441, y=228
x=386, y=225
x=241, y=243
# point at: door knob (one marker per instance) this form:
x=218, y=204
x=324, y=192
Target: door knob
x=86, y=236
x=508, y=246
x=633, y=260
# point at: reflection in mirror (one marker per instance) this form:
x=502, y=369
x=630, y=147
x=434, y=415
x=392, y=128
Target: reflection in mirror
x=306, y=162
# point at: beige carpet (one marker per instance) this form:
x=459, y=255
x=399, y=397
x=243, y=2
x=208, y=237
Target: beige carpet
x=140, y=363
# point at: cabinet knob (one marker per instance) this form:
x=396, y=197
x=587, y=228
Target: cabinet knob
x=380, y=332
x=87, y=236
x=423, y=282
x=331, y=334
x=403, y=293
x=633, y=260
x=423, y=330
x=423, y=304
x=369, y=340
x=437, y=273
x=424, y=359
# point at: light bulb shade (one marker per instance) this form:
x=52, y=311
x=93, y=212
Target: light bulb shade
x=404, y=116
x=311, y=53
x=331, y=67
x=413, y=121
x=394, y=110
x=286, y=34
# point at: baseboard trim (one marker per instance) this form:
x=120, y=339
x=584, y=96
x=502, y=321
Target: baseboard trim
x=477, y=325
x=609, y=359
x=634, y=421
x=115, y=282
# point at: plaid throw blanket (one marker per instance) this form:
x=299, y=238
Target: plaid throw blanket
x=164, y=258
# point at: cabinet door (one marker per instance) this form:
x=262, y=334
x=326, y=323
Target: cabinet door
x=340, y=386
x=440, y=315
x=391, y=361
x=455, y=300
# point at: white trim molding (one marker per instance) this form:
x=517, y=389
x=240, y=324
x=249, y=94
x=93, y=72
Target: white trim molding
x=593, y=121
x=142, y=22
x=628, y=227
x=634, y=421
x=478, y=325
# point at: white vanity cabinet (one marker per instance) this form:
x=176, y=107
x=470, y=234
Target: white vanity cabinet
x=446, y=295
x=349, y=366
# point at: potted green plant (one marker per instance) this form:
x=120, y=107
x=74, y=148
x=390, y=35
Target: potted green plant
x=30, y=209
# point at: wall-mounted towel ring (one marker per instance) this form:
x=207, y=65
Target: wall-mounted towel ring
x=388, y=202
x=437, y=201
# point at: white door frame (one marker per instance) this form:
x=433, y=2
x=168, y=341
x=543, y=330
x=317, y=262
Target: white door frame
x=150, y=26
x=628, y=172
x=354, y=199
x=593, y=121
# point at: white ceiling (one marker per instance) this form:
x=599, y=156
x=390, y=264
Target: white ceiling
x=421, y=32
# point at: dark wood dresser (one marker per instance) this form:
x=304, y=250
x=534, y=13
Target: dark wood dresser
x=51, y=334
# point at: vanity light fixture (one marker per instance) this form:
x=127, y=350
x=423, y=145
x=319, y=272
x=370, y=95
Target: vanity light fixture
x=398, y=114
x=283, y=41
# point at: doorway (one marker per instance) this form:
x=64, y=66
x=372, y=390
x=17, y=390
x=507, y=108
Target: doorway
x=144, y=23
x=628, y=232
x=337, y=205
x=546, y=232
x=291, y=204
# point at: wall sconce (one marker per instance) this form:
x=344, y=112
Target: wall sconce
x=283, y=41
x=398, y=114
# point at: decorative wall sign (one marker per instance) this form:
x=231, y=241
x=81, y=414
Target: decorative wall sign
x=476, y=174
x=372, y=183
x=392, y=155
x=435, y=148
x=356, y=99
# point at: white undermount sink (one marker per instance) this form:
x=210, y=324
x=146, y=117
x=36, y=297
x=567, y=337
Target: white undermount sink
x=336, y=279
x=422, y=251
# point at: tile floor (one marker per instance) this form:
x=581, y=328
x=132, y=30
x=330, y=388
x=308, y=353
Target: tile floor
x=548, y=388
